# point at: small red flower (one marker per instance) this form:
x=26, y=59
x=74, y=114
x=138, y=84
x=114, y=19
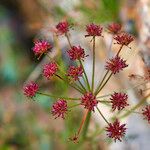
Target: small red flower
x=76, y=53
x=41, y=47
x=124, y=39
x=93, y=30
x=75, y=72
x=146, y=113
x=62, y=27
x=89, y=101
x=119, y=101
x=116, y=64
x=115, y=130
x=50, y=69
x=59, y=108
x=30, y=89
x=114, y=28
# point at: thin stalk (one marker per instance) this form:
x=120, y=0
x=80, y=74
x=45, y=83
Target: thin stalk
x=85, y=130
x=93, y=69
x=135, y=107
x=82, y=122
x=68, y=40
x=136, y=112
x=74, y=105
x=54, y=96
x=104, y=83
x=119, y=50
x=69, y=83
x=87, y=81
x=104, y=101
x=82, y=85
x=102, y=115
x=79, y=87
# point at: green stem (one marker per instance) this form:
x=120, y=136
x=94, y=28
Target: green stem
x=54, y=96
x=93, y=70
x=104, y=84
x=82, y=85
x=87, y=81
x=102, y=81
x=102, y=115
x=69, y=83
x=79, y=87
x=119, y=50
x=68, y=40
x=85, y=129
x=74, y=105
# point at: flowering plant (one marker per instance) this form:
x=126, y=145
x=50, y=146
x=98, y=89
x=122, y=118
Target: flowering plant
x=77, y=78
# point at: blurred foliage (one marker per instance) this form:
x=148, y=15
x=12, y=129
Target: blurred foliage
x=100, y=10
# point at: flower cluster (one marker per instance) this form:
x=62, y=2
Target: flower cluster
x=62, y=27
x=124, y=39
x=30, y=89
x=114, y=28
x=93, y=30
x=50, y=69
x=75, y=72
x=116, y=64
x=89, y=101
x=59, y=108
x=88, y=98
x=146, y=113
x=41, y=47
x=115, y=130
x=76, y=53
x=119, y=101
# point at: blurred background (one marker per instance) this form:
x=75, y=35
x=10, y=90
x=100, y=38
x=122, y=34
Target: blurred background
x=28, y=125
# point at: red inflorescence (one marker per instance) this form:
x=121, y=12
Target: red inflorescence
x=76, y=53
x=114, y=28
x=62, y=27
x=124, y=39
x=119, y=101
x=146, y=113
x=60, y=108
x=41, y=47
x=50, y=69
x=89, y=101
x=93, y=30
x=115, y=130
x=30, y=89
x=75, y=72
x=115, y=64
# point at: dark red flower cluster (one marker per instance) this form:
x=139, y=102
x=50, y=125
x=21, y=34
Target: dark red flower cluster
x=30, y=89
x=114, y=28
x=76, y=53
x=146, y=113
x=115, y=130
x=116, y=64
x=119, y=101
x=62, y=27
x=124, y=39
x=60, y=108
x=75, y=72
x=41, y=47
x=89, y=101
x=50, y=69
x=93, y=30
